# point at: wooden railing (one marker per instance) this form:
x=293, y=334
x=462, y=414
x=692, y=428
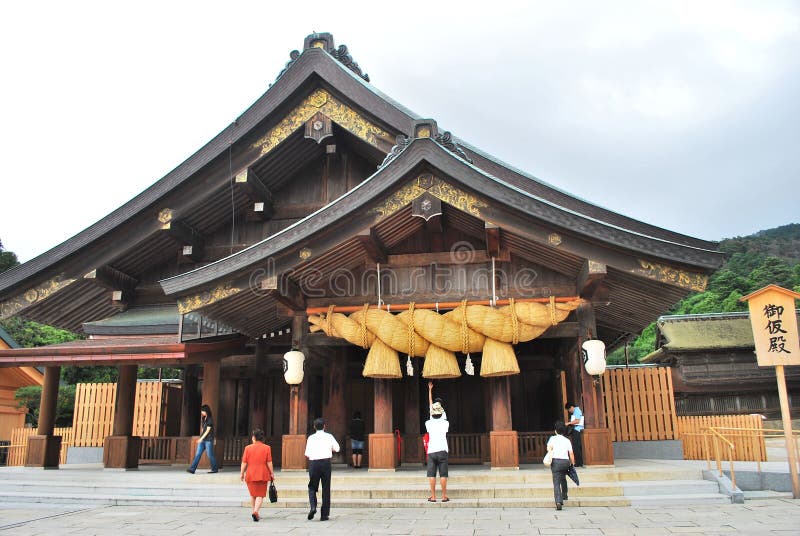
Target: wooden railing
x=19, y=444
x=693, y=432
x=466, y=448
x=533, y=446
x=159, y=450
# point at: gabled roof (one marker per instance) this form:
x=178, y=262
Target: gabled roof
x=148, y=320
x=328, y=68
x=425, y=151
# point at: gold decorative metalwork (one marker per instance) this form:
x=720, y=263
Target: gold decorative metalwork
x=165, y=217
x=318, y=44
x=192, y=303
x=305, y=253
x=554, y=239
x=436, y=187
x=322, y=101
x=671, y=275
x=33, y=295
x=424, y=132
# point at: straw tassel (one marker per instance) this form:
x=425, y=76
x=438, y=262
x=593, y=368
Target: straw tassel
x=440, y=364
x=498, y=359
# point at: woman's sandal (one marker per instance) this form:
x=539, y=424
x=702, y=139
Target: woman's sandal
x=446, y=499
x=431, y=499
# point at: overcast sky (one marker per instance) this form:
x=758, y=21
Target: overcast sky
x=685, y=115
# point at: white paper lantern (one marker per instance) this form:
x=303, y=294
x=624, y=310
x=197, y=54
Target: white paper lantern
x=293, y=367
x=594, y=357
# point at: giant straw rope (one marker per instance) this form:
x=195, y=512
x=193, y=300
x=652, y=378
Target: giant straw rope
x=426, y=333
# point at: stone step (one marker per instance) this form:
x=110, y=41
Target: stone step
x=678, y=499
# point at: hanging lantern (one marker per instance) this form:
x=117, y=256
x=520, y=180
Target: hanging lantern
x=293, y=367
x=594, y=357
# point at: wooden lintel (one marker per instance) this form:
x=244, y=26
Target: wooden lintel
x=320, y=339
x=373, y=246
x=445, y=257
x=492, y=239
x=285, y=291
x=590, y=279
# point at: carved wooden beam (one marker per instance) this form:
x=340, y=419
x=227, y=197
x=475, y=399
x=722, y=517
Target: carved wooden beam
x=492, y=239
x=372, y=245
x=285, y=291
x=590, y=284
x=120, y=284
x=445, y=257
x=192, y=240
x=258, y=193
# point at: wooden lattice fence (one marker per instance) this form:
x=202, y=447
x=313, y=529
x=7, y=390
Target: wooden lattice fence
x=19, y=444
x=749, y=443
x=640, y=404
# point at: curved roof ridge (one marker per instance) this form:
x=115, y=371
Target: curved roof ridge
x=689, y=240
x=553, y=204
x=258, y=111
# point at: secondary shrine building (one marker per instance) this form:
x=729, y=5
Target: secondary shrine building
x=331, y=220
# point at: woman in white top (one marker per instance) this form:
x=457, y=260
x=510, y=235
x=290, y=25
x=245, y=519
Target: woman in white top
x=563, y=458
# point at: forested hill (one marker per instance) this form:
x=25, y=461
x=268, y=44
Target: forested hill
x=754, y=261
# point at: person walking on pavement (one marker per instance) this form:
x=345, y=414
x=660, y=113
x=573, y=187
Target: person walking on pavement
x=437, y=427
x=319, y=450
x=563, y=458
x=256, y=470
x=206, y=441
x=357, y=438
x=577, y=431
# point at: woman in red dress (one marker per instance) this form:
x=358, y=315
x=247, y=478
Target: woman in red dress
x=257, y=470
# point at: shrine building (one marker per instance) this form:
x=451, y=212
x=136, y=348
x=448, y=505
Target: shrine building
x=330, y=220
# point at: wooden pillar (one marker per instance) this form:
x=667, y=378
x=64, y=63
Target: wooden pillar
x=333, y=407
x=503, y=440
x=293, y=444
x=382, y=448
x=412, y=445
x=121, y=449
x=211, y=381
x=190, y=403
x=597, y=448
x=44, y=449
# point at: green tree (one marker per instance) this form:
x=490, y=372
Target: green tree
x=30, y=397
x=29, y=334
x=7, y=259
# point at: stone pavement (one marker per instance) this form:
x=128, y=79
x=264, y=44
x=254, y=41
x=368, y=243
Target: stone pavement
x=771, y=516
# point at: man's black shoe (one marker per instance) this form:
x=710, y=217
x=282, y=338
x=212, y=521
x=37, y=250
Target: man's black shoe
x=323, y=519
x=311, y=514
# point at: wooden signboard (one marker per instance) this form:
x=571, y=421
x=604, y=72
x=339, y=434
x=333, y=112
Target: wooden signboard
x=774, y=323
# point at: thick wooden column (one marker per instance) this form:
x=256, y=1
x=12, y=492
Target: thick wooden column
x=412, y=445
x=597, y=448
x=211, y=377
x=293, y=444
x=190, y=402
x=503, y=440
x=333, y=407
x=44, y=449
x=121, y=449
x=382, y=448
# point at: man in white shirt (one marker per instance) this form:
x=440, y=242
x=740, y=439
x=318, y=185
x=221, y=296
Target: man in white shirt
x=320, y=447
x=437, y=428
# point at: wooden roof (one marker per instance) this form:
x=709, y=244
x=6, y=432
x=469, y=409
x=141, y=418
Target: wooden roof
x=59, y=286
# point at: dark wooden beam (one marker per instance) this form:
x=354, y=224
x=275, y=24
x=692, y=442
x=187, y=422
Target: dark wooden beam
x=373, y=246
x=443, y=257
x=285, y=291
x=192, y=240
x=257, y=192
x=492, y=239
x=591, y=282
x=121, y=285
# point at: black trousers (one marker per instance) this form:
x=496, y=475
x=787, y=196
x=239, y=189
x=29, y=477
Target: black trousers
x=577, y=447
x=320, y=470
x=559, y=468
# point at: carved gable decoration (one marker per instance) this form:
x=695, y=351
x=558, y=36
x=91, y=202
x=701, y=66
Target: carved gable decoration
x=319, y=127
x=426, y=206
x=325, y=42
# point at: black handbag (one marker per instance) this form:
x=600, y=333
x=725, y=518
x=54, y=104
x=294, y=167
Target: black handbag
x=273, y=492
